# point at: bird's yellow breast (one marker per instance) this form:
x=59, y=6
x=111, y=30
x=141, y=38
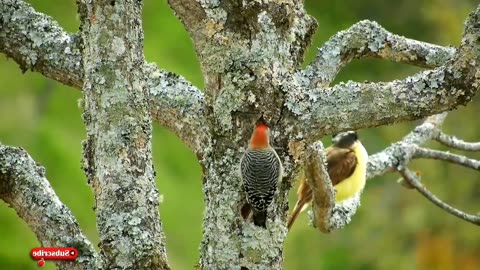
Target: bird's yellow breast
x=355, y=182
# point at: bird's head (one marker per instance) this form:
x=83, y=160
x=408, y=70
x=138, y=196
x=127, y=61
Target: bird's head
x=345, y=139
x=260, y=136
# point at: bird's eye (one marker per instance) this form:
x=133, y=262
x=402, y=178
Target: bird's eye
x=355, y=136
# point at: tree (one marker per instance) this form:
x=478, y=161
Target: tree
x=250, y=55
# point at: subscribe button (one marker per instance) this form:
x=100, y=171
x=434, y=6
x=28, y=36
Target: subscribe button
x=54, y=253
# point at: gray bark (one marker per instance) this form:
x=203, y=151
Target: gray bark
x=36, y=42
x=250, y=60
x=117, y=153
x=250, y=53
x=24, y=187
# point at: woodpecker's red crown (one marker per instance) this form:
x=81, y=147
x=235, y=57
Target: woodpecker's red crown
x=260, y=136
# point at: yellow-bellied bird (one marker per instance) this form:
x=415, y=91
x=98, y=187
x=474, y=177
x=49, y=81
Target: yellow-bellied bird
x=347, y=168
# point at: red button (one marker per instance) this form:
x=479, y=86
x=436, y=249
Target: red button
x=54, y=253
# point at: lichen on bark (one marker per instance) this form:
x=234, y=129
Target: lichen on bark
x=117, y=152
x=250, y=53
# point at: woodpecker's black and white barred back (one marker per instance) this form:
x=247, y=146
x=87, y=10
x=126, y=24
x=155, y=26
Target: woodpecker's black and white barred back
x=261, y=172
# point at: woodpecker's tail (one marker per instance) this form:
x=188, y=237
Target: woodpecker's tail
x=260, y=218
x=246, y=210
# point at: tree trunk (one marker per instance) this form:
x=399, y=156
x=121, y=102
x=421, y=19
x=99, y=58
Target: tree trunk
x=117, y=152
x=245, y=59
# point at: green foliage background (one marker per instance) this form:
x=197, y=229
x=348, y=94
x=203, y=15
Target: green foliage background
x=395, y=228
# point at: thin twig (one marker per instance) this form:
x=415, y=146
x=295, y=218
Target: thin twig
x=386, y=160
x=456, y=143
x=412, y=179
x=421, y=152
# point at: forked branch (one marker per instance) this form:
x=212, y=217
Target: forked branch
x=414, y=181
x=388, y=159
x=398, y=155
x=315, y=107
x=369, y=39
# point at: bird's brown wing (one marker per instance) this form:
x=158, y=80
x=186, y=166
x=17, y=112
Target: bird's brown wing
x=341, y=163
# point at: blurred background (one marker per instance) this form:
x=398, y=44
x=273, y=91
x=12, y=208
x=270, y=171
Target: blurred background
x=395, y=228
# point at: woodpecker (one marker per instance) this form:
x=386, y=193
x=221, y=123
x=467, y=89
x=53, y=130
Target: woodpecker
x=347, y=168
x=261, y=171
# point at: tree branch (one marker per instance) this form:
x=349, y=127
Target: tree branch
x=190, y=12
x=323, y=195
x=398, y=155
x=318, y=111
x=369, y=39
x=413, y=180
x=24, y=187
x=179, y=106
x=327, y=214
x=388, y=159
x=456, y=143
x=420, y=152
x=36, y=42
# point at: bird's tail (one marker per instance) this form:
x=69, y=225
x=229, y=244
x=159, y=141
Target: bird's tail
x=299, y=207
x=304, y=194
x=260, y=218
